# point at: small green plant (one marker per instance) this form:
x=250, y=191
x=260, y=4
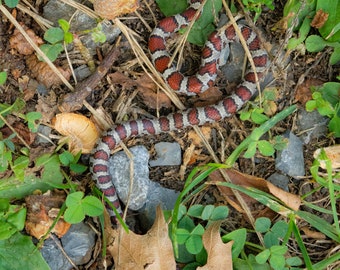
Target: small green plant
x=326, y=99
x=12, y=218
x=78, y=206
x=328, y=25
x=55, y=36
x=256, y=6
x=68, y=160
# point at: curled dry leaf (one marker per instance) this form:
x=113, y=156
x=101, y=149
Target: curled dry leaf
x=44, y=74
x=110, y=9
x=333, y=153
x=291, y=200
x=150, y=251
x=41, y=212
x=219, y=253
x=81, y=132
x=18, y=42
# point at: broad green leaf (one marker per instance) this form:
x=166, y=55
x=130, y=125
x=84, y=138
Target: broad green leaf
x=262, y=224
x=78, y=168
x=263, y=256
x=52, y=50
x=258, y=117
x=266, y=148
x=66, y=158
x=196, y=210
x=92, y=206
x=251, y=150
x=18, y=252
x=334, y=126
x=182, y=235
x=6, y=230
x=16, y=217
x=278, y=250
x=220, y=212
x=74, y=199
x=335, y=56
x=315, y=43
x=11, y=3
x=170, y=8
x=331, y=92
x=54, y=35
x=277, y=261
x=207, y=211
x=31, y=118
x=239, y=237
x=194, y=244
x=332, y=8
x=74, y=214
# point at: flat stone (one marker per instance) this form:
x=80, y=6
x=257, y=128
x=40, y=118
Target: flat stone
x=168, y=154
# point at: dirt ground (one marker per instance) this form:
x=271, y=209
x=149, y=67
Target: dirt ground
x=289, y=71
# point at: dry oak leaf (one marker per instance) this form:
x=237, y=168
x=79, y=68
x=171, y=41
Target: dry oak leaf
x=291, y=200
x=18, y=42
x=219, y=253
x=81, y=132
x=110, y=9
x=44, y=74
x=150, y=251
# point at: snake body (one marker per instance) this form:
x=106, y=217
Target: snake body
x=189, y=85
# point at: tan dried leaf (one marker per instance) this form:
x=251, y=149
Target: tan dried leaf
x=219, y=253
x=41, y=213
x=245, y=180
x=18, y=42
x=333, y=153
x=303, y=91
x=139, y=252
x=81, y=132
x=110, y=9
x=44, y=74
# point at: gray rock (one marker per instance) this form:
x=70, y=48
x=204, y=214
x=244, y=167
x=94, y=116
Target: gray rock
x=290, y=160
x=169, y=154
x=78, y=243
x=279, y=180
x=311, y=125
x=119, y=165
x=158, y=195
x=53, y=255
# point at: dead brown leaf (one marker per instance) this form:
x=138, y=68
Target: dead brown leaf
x=20, y=44
x=20, y=129
x=291, y=200
x=44, y=74
x=303, y=92
x=219, y=253
x=319, y=19
x=312, y=234
x=41, y=212
x=150, y=251
x=211, y=96
x=152, y=98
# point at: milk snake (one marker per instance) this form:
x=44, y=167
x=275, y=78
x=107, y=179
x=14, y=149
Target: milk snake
x=191, y=85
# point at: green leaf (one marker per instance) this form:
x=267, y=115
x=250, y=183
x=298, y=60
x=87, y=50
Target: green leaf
x=6, y=230
x=170, y=8
x=303, y=32
x=258, y=117
x=278, y=250
x=32, y=118
x=207, y=212
x=20, y=246
x=332, y=8
x=331, y=92
x=92, y=206
x=277, y=261
x=64, y=25
x=74, y=214
x=78, y=168
x=315, y=43
x=262, y=224
x=239, y=237
x=280, y=228
x=66, y=158
x=196, y=210
x=251, y=150
x=219, y=213
x=4, y=204
x=54, y=35
x=74, y=199
x=335, y=56
x=263, y=256
x=334, y=126
x=68, y=37
x=294, y=261
x=3, y=77
x=52, y=50
x=11, y=3
x=182, y=235
x=266, y=148
x=194, y=244
x=19, y=166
